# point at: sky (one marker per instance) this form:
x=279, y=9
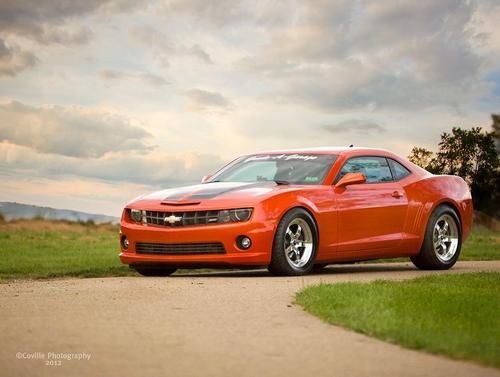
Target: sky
x=104, y=100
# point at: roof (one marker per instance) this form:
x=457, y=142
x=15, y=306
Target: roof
x=325, y=150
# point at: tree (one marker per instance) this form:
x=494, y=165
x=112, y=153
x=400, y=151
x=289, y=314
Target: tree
x=472, y=155
x=467, y=153
x=496, y=130
x=421, y=157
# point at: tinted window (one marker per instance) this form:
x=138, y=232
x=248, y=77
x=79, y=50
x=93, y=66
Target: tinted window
x=375, y=169
x=305, y=169
x=398, y=170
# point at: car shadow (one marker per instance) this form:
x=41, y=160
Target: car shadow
x=335, y=269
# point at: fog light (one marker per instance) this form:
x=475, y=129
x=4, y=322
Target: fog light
x=125, y=242
x=244, y=242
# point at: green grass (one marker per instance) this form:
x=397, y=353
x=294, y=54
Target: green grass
x=453, y=315
x=482, y=244
x=45, y=250
x=42, y=249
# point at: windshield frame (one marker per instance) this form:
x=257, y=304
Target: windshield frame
x=334, y=157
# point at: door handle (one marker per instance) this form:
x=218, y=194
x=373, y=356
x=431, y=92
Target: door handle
x=397, y=194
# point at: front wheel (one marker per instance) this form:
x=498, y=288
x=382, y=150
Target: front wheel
x=442, y=242
x=295, y=244
x=319, y=267
x=154, y=270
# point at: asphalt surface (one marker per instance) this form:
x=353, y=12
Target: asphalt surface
x=217, y=324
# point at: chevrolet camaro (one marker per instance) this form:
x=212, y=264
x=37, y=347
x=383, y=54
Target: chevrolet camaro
x=298, y=210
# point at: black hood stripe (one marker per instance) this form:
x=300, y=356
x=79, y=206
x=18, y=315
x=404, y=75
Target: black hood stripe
x=209, y=192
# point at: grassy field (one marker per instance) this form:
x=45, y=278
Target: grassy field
x=453, y=315
x=43, y=249
x=483, y=244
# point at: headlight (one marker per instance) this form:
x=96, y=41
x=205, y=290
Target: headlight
x=241, y=214
x=136, y=215
x=224, y=216
x=234, y=215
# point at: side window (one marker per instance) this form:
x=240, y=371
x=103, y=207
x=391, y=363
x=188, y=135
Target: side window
x=375, y=169
x=398, y=170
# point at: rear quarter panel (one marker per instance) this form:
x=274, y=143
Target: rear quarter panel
x=427, y=194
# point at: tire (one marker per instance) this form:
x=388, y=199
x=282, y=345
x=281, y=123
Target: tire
x=319, y=266
x=154, y=270
x=442, y=241
x=297, y=233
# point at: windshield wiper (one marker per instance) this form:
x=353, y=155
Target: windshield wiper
x=280, y=182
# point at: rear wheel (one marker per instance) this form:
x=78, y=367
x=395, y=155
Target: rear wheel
x=295, y=244
x=154, y=270
x=442, y=242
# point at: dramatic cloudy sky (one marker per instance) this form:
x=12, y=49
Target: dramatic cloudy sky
x=101, y=100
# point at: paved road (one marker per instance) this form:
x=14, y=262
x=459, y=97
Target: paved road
x=221, y=324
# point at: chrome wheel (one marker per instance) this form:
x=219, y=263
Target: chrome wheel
x=445, y=238
x=299, y=243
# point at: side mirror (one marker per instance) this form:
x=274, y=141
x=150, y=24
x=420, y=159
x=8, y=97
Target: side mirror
x=205, y=178
x=351, y=179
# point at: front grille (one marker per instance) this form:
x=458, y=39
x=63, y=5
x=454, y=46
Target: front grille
x=182, y=218
x=180, y=248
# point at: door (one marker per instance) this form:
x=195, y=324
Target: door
x=371, y=215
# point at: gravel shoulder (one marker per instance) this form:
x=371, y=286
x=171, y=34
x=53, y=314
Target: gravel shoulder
x=214, y=324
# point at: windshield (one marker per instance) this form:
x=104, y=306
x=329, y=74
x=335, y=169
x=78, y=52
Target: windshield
x=303, y=169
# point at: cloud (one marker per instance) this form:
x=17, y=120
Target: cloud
x=109, y=74
x=196, y=51
x=163, y=49
x=43, y=20
x=201, y=100
x=158, y=168
x=47, y=22
x=64, y=36
x=144, y=77
x=220, y=12
x=152, y=79
x=70, y=131
x=389, y=54
x=355, y=125
x=13, y=60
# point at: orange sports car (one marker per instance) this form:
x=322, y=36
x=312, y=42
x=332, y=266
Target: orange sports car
x=297, y=210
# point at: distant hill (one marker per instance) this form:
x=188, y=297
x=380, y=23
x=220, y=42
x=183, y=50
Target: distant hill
x=15, y=211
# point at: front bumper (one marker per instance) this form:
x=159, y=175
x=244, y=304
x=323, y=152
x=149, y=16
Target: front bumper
x=259, y=254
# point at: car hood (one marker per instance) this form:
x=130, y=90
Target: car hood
x=214, y=193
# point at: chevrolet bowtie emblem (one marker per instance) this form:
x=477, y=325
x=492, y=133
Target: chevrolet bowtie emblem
x=172, y=219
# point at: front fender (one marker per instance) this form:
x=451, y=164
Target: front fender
x=319, y=203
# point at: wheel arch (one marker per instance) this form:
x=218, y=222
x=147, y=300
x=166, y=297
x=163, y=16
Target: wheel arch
x=428, y=257
x=305, y=208
x=454, y=206
x=425, y=222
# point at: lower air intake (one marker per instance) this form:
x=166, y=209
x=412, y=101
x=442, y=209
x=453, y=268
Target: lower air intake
x=180, y=248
